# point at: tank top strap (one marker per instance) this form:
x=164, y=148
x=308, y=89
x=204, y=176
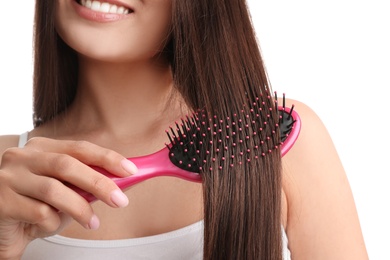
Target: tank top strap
x=23, y=139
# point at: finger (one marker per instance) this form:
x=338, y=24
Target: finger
x=65, y=221
x=62, y=167
x=37, y=231
x=86, y=152
x=30, y=211
x=70, y=170
x=60, y=197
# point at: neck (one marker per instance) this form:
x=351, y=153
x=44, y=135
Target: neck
x=123, y=101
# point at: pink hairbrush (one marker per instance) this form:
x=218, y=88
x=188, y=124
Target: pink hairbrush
x=181, y=158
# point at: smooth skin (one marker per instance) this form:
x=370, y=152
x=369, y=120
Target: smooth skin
x=120, y=112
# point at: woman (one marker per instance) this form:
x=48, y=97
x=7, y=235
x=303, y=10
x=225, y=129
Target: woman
x=109, y=78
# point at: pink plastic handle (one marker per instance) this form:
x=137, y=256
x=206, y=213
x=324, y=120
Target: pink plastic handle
x=149, y=166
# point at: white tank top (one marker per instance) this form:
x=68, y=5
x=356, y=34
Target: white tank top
x=181, y=244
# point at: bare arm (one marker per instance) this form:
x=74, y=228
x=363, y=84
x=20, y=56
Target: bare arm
x=322, y=218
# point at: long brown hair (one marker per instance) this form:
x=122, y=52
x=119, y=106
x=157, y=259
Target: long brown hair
x=217, y=66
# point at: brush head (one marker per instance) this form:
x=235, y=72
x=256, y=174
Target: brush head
x=202, y=141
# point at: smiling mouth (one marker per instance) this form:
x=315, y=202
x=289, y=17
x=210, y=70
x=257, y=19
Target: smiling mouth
x=104, y=7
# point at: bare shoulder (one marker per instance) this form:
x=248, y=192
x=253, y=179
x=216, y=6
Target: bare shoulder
x=8, y=141
x=322, y=221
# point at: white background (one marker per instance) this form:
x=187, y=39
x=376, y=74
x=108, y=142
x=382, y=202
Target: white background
x=333, y=55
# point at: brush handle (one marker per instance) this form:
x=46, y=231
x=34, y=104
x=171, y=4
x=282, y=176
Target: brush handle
x=158, y=164
x=149, y=166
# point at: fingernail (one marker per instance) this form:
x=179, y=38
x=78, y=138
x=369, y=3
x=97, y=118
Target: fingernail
x=129, y=166
x=94, y=223
x=119, y=198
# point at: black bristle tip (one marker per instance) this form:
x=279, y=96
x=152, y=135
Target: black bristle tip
x=286, y=121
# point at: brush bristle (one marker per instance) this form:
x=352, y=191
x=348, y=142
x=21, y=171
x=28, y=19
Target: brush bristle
x=201, y=140
x=286, y=121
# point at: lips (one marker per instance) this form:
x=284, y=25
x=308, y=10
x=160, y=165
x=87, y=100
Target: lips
x=105, y=7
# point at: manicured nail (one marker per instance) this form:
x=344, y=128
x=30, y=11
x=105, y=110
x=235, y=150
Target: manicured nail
x=94, y=223
x=129, y=166
x=119, y=198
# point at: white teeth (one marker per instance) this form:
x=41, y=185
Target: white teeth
x=113, y=9
x=104, y=7
x=120, y=10
x=95, y=6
